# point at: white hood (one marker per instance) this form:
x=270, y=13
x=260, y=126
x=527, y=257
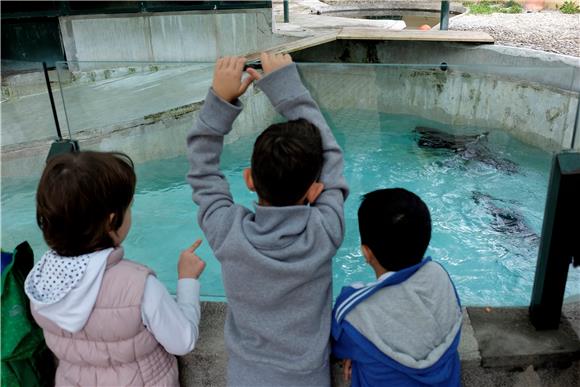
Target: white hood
x=65, y=289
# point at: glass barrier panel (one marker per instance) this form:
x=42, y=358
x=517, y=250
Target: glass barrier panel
x=100, y=95
x=27, y=124
x=26, y=111
x=474, y=142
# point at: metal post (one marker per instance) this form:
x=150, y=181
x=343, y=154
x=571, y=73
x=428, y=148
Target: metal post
x=444, y=19
x=560, y=244
x=286, y=12
x=576, y=123
x=60, y=146
x=52, y=105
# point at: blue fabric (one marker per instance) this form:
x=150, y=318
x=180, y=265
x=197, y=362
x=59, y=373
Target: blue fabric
x=366, y=292
x=370, y=366
x=6, y=260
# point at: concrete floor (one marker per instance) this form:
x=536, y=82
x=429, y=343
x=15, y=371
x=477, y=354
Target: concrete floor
x=206, y=365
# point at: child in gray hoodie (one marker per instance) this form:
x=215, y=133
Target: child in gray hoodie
x=276, y=260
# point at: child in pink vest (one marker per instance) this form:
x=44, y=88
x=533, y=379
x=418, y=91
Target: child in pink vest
x=109, y=321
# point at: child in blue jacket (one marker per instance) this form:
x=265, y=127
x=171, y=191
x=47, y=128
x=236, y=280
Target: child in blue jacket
x=404, y=328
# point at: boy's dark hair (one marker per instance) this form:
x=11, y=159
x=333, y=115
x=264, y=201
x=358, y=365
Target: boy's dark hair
x=76, y=195
x=395, y=224
x=287, y=159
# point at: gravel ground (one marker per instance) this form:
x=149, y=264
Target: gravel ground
x=550, y=31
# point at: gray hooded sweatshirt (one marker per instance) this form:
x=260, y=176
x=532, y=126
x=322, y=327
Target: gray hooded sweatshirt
x=276, y=261
x=413, y=322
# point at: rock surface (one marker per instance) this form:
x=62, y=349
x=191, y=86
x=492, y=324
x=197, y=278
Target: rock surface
x=550, y=31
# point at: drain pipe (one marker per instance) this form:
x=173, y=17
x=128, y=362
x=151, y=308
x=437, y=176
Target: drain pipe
x=444, y=19
x=286, y=12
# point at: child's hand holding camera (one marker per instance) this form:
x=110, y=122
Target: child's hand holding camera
x=227, y=78
x=270, y=63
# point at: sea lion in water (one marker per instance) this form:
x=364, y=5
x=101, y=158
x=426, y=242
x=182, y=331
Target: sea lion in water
x=436, y=139
x=468, y=147
x=505, y=220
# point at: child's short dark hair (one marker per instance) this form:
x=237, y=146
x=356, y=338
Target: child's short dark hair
x=287, y=159
x=77, y=194
x=395, y=224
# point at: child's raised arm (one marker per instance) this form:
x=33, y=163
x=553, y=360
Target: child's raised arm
x=205, y=142
x=281, y=83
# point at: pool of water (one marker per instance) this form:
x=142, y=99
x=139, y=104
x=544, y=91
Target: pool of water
x=413, y=18
x=486, y=208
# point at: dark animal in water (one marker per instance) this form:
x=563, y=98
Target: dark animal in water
x=468, y=147
x=505, y=220
x=436, y=139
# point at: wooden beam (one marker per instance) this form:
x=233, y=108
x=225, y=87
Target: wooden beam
x=296, y=45
x=352, y=33
x=349, y=33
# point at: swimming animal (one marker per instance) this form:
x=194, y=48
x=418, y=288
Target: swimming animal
x=467, y=147
x=434, y=138
x=505, y=220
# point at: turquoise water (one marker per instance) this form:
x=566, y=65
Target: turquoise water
x=490, y=262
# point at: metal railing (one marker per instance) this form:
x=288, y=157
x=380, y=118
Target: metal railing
x=444, y=19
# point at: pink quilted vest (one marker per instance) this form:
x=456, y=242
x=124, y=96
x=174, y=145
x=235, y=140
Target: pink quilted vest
x=114, y=348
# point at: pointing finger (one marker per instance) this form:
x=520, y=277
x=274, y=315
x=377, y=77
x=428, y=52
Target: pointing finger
x=194, y=246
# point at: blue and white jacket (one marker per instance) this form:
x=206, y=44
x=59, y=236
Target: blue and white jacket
x=402, y=330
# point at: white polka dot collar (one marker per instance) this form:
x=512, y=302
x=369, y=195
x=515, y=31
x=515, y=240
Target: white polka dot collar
x=54, y=276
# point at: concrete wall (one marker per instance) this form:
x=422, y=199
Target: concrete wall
x=538, y=115
x=152, y=137
x=518, y=63
x=531, y=94
x=184, y=37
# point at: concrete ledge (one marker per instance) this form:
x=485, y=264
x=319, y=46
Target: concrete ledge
x=411, y=35
x=378, y=34
x=206, y=365
x=528, y=65
x=507, y=339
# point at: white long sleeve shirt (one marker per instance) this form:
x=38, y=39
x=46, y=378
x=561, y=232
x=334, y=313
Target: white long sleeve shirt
x=174, y=323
